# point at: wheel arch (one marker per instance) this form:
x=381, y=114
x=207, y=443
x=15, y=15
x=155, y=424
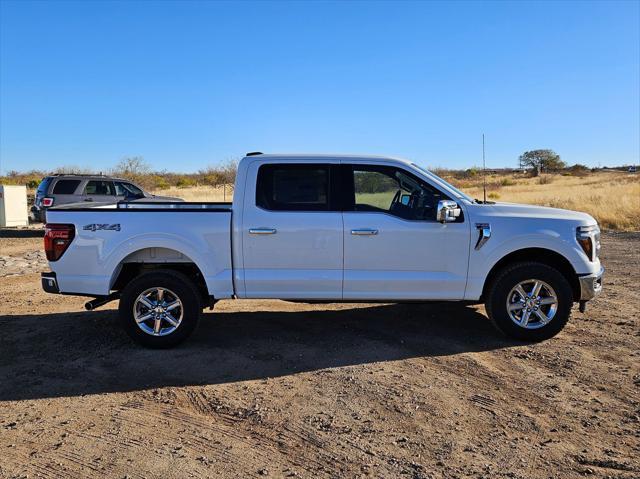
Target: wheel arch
x=148, y=259
x=540, y=255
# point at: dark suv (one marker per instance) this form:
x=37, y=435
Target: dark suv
x=62, y=189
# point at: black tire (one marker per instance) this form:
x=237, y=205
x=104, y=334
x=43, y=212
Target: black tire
x=179, y=286
x=510, y=277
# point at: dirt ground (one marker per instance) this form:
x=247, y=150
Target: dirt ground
x=276, y=389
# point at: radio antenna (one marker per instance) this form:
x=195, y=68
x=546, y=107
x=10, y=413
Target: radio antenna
x=484, y=173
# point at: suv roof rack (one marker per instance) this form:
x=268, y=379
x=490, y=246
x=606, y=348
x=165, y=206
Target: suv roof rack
x=254, y=153
x=78, y=174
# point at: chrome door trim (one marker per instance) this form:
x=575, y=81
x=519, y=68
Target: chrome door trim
x=262, y=231
x=364, y=232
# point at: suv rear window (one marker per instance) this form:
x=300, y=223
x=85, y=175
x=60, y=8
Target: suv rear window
x=293, y=187
x=65, y=187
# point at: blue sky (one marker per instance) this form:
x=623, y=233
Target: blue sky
x=191, y=84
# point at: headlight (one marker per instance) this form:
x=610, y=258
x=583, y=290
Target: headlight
x=588, y=237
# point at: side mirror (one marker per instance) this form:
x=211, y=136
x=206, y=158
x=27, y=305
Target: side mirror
x=447, y=211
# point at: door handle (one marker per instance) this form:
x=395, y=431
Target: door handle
x=262, y=231
x=364, y=232
x=89, y=199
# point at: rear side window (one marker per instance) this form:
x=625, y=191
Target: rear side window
x=65, y=187
x=44, y=186
x=293, y=187
x=100, y=188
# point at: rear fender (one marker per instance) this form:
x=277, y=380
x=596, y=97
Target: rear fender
x=208, y=264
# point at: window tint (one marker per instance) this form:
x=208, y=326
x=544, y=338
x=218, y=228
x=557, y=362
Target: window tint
x=394, y=191
x=65, y=187
x=99, y=188
x=293, y=187
x=123, y=188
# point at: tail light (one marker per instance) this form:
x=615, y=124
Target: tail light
x=47, y=202
x=57, y=238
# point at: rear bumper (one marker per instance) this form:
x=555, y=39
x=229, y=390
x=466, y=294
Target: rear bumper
x=39, y=214
x=50, y=282
x=591, y=285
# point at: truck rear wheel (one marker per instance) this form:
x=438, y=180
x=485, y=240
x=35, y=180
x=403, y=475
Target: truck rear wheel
x=160, y=309
x=530, y=301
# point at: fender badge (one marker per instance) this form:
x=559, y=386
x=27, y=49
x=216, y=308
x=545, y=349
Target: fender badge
x=484, y=230
x=105, y=227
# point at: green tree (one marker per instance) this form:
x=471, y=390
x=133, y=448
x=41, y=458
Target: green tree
x=541, y=160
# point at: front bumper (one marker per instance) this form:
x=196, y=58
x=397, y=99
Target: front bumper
x=591, y=285
x=49, y=282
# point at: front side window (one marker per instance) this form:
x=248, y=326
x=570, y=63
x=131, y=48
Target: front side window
x=394, y=191
x=127, y=189
x=65, y=187
x=293, y=187
x=99, y=188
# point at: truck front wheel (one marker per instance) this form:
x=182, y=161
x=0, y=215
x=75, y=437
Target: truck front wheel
x=530, y=301
x=160, y=309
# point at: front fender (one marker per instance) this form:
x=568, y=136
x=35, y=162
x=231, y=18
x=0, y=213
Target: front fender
x=500, y=245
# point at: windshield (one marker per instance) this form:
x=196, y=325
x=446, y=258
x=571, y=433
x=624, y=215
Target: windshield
x=123, y=188
x=449, y=185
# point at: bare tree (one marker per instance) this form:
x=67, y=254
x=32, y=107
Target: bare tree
x=224, y=174
x=132, y=167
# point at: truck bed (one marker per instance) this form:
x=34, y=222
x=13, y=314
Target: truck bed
x=146, y=206
x=109, y=235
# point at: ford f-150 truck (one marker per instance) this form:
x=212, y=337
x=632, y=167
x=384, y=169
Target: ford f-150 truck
x=325, y=228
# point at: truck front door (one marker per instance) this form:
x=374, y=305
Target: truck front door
x=394, y=248
x=291, y=232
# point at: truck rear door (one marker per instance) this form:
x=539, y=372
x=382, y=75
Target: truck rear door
x=99, y=191
x=292, y=232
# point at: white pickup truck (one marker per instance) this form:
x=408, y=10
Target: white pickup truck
x=325, y=228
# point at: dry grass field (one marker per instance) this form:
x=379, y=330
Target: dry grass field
x=271, y=388
x=317, y=391
x=199, y=193
x=611, y=197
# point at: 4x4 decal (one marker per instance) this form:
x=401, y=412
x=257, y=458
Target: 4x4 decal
x=105, y=227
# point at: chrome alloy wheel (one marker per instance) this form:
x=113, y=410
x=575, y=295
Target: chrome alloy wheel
x=532, y=304
x=158, y=311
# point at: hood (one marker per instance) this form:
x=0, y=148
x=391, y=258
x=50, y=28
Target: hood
x=538, y=212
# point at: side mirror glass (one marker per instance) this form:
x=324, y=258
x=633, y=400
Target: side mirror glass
x=447, y=211
x=404, y=199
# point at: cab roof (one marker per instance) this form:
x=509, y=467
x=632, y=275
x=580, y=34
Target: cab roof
x=314, y=157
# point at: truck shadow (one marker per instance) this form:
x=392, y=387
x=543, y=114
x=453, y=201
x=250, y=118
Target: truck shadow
x=70, y=354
